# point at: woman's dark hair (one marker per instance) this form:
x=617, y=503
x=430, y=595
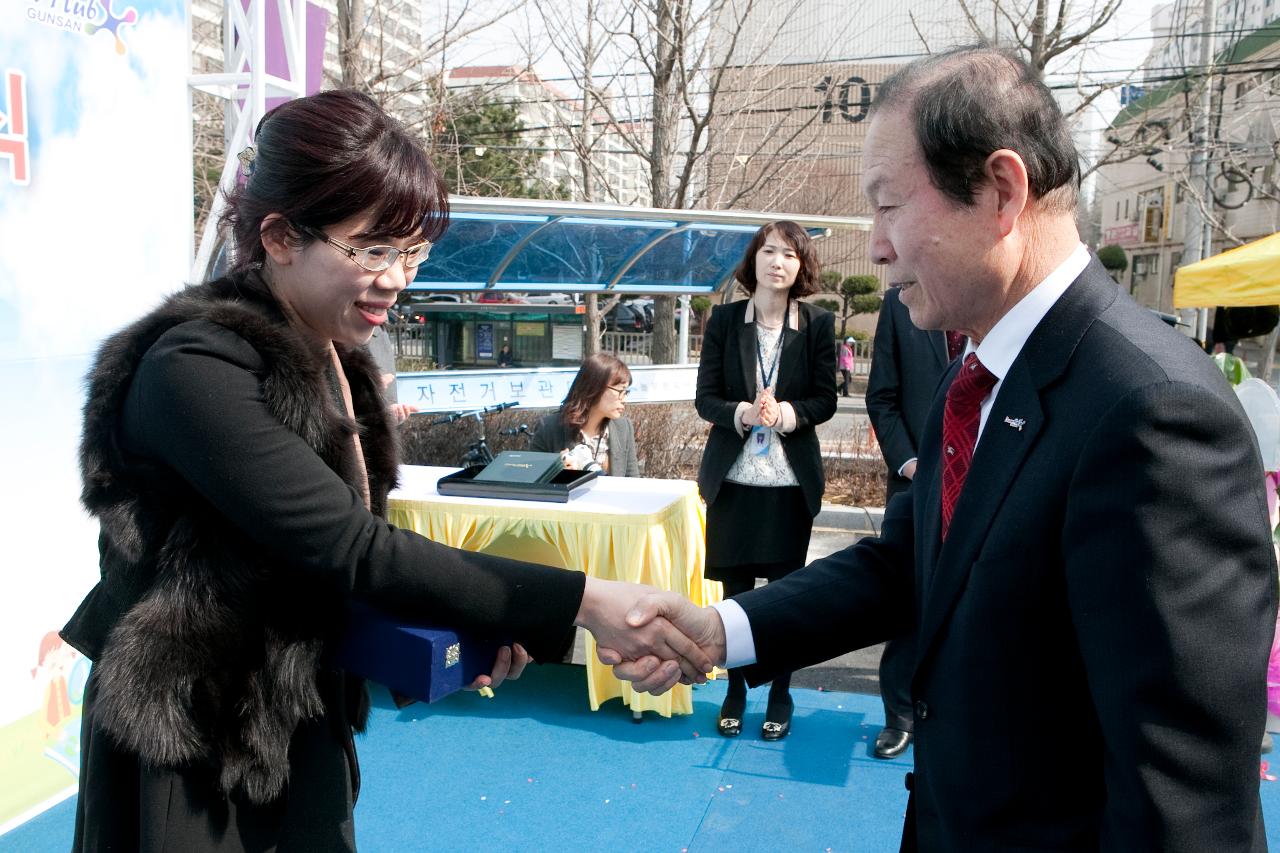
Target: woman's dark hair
x=597, y=373
x=806, y=282
x=969, y=102
x=326, y=158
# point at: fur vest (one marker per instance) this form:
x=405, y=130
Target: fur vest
x=214, y=656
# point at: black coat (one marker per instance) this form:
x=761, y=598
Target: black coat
x=219, y=464
x=806, y=380
x=1093, y=636
x=906, y=364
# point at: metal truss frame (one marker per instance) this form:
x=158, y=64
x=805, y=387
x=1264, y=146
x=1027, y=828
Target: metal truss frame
x=246, y=86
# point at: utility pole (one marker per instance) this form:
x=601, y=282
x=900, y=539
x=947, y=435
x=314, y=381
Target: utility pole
x=1197, y=230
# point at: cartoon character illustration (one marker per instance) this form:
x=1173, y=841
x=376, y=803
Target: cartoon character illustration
x=60, y=671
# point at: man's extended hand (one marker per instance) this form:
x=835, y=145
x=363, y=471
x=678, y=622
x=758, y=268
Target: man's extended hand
x=650, y=673
x=607, y=611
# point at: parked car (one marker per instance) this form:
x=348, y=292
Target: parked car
x=411, y=306
x=497, y=296
x=645, y=307
x=549, y=299
x=624, y=317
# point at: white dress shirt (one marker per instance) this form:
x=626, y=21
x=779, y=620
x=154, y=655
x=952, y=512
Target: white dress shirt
x=997, y=353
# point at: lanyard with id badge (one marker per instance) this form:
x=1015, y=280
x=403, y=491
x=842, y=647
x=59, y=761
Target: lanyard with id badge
x=761, y=435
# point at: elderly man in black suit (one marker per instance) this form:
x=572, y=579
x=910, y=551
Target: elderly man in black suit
x=906, y=364
x=1097, y=578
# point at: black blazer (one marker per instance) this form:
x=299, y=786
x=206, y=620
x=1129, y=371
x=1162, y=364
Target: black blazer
x=806, y=380
x=1108, y=589
x=906, y=364
x=552, y=437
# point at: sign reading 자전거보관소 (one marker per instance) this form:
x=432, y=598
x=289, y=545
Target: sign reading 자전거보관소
x=544, y=387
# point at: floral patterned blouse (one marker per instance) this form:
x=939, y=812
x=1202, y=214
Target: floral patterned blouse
x=771, y=468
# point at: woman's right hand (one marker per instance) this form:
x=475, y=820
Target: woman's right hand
x=760, y=412
x=770, y=411
x=509, y=664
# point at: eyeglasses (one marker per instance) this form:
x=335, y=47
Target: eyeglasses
x=622, y=391
x=374, y=258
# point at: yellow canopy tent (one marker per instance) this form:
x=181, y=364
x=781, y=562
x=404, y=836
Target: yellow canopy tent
x=1246, y=275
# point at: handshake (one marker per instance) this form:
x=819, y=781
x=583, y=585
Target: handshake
x=651, y=638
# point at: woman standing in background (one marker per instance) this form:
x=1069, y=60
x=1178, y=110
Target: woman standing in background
x=766, y=379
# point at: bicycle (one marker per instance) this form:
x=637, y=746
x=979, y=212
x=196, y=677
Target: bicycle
x=478, y=452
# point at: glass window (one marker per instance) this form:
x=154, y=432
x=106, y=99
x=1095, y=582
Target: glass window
x=540, y=252
x=471, y=249
x=696, y=257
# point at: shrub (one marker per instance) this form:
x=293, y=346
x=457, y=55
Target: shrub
x=1113, y=258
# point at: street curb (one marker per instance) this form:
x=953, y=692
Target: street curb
x=853, y=518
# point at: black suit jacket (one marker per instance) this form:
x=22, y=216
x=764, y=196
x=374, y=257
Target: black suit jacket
x=806, y=379
x=906, y=364
x=1093, y=635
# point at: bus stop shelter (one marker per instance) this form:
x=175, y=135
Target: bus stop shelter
x=531, y=246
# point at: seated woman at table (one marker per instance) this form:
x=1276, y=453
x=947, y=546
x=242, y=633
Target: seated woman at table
x=589, y=430
x=237, y=453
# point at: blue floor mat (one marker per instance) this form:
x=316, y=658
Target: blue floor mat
x=535, y=769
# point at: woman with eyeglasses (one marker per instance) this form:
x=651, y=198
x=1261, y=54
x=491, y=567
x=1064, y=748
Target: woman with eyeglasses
x=588, y=430
x=237, y=454
x=766, y=379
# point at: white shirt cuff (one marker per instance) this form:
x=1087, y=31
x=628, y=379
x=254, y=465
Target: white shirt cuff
x=904, y=466
x=739, y=646
x=742, y=409
x=786, y=419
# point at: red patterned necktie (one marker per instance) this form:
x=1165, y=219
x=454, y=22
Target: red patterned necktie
x=955, y=344
x=960, y=430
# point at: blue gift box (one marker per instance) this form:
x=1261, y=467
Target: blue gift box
x=421, y=662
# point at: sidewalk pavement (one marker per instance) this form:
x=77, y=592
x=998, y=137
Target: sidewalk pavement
x=851, y=519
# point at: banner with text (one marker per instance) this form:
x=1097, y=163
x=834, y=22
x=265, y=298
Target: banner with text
x=543, y=387
x=95, y=215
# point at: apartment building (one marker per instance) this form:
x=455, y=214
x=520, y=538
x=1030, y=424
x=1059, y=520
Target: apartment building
x=1145, y=199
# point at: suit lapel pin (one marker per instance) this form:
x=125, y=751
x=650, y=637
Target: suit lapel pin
x=1016, y=423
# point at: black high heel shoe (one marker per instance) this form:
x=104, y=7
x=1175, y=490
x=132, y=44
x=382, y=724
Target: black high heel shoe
x=777, y=720
x=730, y=722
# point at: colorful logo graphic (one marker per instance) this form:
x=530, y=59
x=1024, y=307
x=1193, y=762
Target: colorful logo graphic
x=112, y=25
x=13, y=128
x=83, y=16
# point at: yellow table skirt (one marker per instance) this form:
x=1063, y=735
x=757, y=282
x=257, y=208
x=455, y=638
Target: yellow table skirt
x=664, y=548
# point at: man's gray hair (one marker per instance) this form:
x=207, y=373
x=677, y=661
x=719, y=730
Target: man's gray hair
x=974, y=100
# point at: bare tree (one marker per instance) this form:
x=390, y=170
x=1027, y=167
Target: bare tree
x=398, y=55
x=1041, y=33
x=674, y=70
x=579, y=34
